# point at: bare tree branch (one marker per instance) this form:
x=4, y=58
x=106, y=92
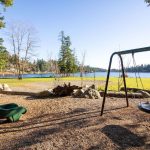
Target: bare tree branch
x=82, y=67
x=23, y=42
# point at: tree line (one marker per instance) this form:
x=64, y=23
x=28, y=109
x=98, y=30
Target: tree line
x=139, y=68
x=19, y=65
x=23, y=43
x=66, y=64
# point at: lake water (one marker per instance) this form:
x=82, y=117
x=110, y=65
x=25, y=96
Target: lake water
x=97, y=74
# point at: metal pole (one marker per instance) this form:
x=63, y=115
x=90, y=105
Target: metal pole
x=106, y=85
x=144, y=49
x=137, y=50
x=124, y=79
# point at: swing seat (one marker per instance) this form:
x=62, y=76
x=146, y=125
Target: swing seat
x=144, y=106
x=12, y=112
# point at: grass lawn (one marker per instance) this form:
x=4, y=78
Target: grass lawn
x=113, y=84
x=131, y=82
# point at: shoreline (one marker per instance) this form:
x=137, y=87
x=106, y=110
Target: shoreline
x=77, y=74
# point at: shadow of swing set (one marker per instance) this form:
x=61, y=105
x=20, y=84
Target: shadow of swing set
x=144, y=106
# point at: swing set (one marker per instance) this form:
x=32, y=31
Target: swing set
x=145, y=106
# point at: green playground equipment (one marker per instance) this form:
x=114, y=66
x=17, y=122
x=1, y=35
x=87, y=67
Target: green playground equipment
x=12, y=112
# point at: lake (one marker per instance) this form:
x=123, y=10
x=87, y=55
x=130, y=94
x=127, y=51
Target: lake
x=97, y=74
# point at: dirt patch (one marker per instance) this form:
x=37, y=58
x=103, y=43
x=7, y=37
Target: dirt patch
x=76, y=124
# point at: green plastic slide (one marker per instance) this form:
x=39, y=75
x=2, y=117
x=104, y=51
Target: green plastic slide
x=12, y=111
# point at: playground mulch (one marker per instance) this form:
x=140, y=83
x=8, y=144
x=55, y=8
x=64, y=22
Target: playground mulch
x=75, y=124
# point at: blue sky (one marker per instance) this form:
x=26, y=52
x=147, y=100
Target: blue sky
x=97, y=27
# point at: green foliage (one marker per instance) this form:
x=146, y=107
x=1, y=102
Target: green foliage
x=4, y=3
x=67, y=60
x=139, y=68
x=52, y=66
x=13, y=59
x=41, y=65
x=2, y=24
x=4, y=55
x=147, y=1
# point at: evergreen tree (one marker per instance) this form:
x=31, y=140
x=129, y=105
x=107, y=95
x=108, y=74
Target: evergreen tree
x=148, y=1
x=67, y=61
x=41, y=65
x=4, y=3
x=62, y=54
x=4, y=55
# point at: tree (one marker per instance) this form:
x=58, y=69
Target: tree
x=67, y=61
x=4, y=3
x=41, y=65
x=4, y=55
x=62, y=54
x=52, y=66
x=147, y=1
x=82, y=68
x=23, y=42
x=13, y=59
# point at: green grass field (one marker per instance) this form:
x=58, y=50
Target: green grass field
x=131, y=83
x=113, y=84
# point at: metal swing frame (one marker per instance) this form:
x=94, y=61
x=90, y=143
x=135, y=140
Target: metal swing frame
x=120, y=53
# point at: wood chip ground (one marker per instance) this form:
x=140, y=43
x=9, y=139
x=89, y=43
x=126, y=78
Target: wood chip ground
x=75, y=124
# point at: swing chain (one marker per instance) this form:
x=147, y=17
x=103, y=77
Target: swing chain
x=137, y=72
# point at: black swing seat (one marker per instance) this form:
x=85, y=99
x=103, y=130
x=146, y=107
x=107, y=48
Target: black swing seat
x=144, y=106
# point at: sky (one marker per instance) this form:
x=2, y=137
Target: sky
x=96, y=27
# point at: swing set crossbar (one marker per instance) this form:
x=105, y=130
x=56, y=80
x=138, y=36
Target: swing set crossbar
x=120, y=53
x=133, y=51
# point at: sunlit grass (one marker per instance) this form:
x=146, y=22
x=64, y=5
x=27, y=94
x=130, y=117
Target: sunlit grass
x=113, y=82
x=16, y=82
x=130, y=82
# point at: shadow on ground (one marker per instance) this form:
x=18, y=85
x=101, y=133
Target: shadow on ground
x=49, y=124
x=42, y=128
x=123, y=137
